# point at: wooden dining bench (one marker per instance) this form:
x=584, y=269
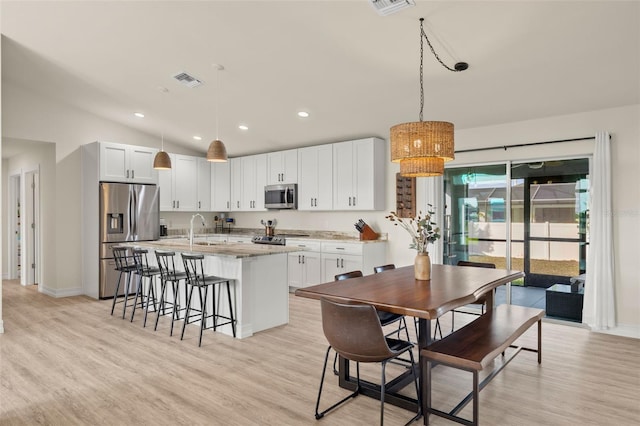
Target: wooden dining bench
x=475, y=346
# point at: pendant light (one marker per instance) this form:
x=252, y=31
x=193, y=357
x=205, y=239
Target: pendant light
x=162, y=161
x=422, y=147
x=217, y=151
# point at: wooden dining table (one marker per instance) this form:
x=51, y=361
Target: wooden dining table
x=397, y=291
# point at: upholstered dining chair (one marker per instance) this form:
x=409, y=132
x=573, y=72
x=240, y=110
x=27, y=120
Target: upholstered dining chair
x=386, y=318
x=354, y=331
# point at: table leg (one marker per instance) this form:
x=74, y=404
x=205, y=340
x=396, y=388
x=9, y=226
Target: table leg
x=424, y=340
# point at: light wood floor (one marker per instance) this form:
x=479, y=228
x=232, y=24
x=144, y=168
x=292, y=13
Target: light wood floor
x=68, y=362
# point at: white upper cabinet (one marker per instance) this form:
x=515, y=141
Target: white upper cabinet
x=221, y=187
x=204, y=185
x=236, y=183
x=127, y=163
x=165, y=183
x=358, y=175
x=187, y=186
x=254, y=178
x=282, y=167
x=315, y=189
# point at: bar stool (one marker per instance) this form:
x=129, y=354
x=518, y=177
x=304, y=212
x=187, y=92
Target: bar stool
x=143, y=270
x=196, y=278
x=168, y=274
x=125, y=265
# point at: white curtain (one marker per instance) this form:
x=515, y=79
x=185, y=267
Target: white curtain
x=599, y=304
x=433, y=194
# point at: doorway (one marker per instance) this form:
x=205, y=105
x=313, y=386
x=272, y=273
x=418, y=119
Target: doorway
x=24, y=226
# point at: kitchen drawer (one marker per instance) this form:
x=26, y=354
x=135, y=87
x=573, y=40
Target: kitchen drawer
x=342, y=248
x=305, y=245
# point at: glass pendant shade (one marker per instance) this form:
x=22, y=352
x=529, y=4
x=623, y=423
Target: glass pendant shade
x=162, y=161
x=217, y=152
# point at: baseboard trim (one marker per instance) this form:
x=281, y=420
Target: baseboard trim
x=67, y=292
x=625, y=330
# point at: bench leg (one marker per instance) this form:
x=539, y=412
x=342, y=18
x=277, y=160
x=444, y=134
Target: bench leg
x=539, y=341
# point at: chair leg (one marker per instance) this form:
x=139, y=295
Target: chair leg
x=437, y=328
x=150, y=294
x=174, y=314
x=203, y=314
x=115, y=296
x=233, y=318
x=127, y=288
x=163, y=287
x=383, y=381
x=352, y=395
x=135, y=300
x=186, y=314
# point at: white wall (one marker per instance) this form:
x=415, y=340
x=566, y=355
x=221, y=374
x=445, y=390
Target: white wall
x=69, y=128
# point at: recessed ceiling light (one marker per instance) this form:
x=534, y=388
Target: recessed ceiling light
x=138, y=114
x=243, y=127
x=303, y=114
x=198, y=138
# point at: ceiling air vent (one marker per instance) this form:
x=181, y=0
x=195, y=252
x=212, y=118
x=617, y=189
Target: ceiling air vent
x=187, y=79
x=387, y=7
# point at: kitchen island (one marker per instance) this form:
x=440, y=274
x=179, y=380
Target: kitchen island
x=258, y=274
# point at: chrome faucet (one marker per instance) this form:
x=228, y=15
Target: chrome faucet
x=191, y=229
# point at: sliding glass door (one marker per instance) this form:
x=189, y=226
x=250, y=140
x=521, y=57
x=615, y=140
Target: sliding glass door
x=549, y=220
x=475, y=218
x=531, y=217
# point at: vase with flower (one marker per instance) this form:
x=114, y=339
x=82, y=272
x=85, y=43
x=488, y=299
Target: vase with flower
x=423, y=231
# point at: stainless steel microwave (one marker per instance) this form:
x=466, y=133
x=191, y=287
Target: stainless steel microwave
x=284, y=196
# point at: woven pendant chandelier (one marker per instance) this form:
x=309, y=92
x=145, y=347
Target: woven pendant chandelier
x=217, y=152
x=422, y=147
x=162, y=161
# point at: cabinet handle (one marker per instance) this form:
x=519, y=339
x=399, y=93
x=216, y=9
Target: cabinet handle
x=173, y=204
x=303, y=258
x=127, y=174
x=178, y=204
x=299, y=259
x=349, y=200
x=311, y=202
x=199, y=205
x=238, y=204
x=354, y=201
x=342, y=263
x=133, y=174
x=227, y=204
x=337, y=263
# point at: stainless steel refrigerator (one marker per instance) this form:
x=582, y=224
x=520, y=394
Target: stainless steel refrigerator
x=128, y=212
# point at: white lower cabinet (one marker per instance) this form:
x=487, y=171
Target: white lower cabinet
x=305, y=266
x=339, y=257
x=334, y=264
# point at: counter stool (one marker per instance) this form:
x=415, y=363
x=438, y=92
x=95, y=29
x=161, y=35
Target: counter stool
x=194, y=267
x=125, y=265
x=168, y=274
x=143, y=270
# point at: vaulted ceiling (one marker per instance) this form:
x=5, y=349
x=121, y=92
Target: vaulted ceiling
x=354, y=71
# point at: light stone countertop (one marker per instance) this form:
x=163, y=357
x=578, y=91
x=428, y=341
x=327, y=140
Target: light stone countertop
x=212, y=248
x=331, y=236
